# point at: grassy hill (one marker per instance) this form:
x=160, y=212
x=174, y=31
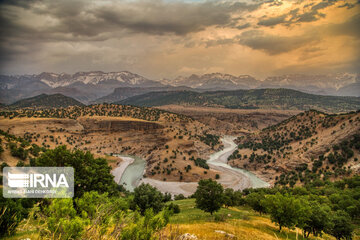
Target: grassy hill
x=249, y=99
x=46, y=101
x=242, y=222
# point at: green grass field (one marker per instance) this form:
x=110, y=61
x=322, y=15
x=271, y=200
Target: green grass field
x=242, y=222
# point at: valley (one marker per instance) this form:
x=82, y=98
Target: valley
x=254, y=155
x=173, y=145
x=179, y=145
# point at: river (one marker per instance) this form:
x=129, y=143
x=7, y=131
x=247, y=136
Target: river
x=230, y=177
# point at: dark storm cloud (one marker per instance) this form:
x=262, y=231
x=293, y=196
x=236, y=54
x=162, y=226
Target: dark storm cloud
x=160, y=18
x=81, y=18
x=18, y=3
x=272, y=44
x=80, y=21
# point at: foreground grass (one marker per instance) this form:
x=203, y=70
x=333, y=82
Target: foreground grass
x=240, y=221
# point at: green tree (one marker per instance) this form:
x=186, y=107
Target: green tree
x=146, y=197
x=209, y=196
x=315, y=218
x=255, y=201
x=229, y=197
x=90, y=173
x=340, y=225
x=284, y=210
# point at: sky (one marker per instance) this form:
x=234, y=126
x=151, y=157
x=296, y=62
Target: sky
x=168, y=38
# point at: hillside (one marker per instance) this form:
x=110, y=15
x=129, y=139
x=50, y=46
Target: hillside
x=233, y=122
x=249, y=99
x=122, y=93
x=309, y=146
x=168, y=142
x=46, y=101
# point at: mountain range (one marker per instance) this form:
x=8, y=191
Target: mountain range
x=97, y=86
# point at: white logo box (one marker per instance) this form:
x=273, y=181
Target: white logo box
x=38, y=182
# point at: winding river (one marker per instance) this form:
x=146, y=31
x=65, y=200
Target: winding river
x=230, y=177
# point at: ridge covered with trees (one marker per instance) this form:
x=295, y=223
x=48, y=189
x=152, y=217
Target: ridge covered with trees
x=248, y=99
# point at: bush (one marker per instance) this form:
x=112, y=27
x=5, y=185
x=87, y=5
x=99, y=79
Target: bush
x=174, y=208
x=179, y=197
x=19, y=152
x=62, y=221
x=146, y=197
x=12, y=212
x=145, y=228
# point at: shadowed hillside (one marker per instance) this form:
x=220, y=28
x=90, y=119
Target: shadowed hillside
x=46, y=101
x=249, y=99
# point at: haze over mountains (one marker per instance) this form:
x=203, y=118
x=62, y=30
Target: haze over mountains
x=97, y=86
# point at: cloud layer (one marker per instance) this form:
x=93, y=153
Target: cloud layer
x=160, y=38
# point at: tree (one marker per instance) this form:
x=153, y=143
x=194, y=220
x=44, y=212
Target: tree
x=255, y=201
x=340, y=225
x=12, y=212
x=284, y=210
x=229, y=197
x=90, y=173
x=146, y=197
x=166, y=197
x=209, y=196
x=314, y=218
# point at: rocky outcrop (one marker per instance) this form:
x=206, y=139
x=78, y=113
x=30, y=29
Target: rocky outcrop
x=95, y=125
